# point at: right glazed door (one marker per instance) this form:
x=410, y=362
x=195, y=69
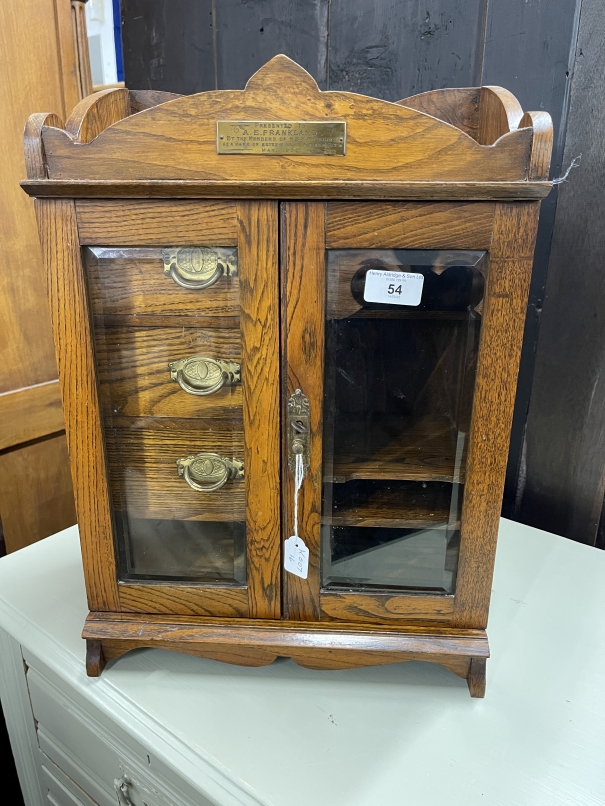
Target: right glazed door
x=383, y=320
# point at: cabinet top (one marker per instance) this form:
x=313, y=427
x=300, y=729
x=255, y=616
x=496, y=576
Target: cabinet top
x=282, y=137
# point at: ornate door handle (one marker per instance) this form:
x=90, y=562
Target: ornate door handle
x=197, y=267
x=208, y=472
x=202, y=375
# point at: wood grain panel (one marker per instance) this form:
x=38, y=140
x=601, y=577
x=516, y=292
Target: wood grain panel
x=36, y=493
x=456, y=105
x=141, y=223
x=30, y=413
x=384, y=141
x=310, y=645
x=276, y=189
x=134, y=379
x=424, y=452
x=438, y=225
x=259, y=296
x=135, y=283
x=142, y=456
x=77, y=374
x=401, y=506
x=378, y=607
x=184, y=600
x=303, y=272
x=96, y=112
x=498, y=363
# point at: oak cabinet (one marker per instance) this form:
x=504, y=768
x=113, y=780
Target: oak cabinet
x=288, y=327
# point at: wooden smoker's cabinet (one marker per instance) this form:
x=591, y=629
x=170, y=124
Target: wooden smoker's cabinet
x=241, y=278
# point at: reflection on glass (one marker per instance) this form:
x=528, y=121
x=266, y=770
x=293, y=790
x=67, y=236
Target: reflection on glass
x=399, y=381
x=172, y=409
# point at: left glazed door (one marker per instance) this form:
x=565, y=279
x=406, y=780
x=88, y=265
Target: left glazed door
x=181, y=299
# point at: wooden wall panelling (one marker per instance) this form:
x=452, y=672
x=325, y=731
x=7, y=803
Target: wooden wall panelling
x=36, y=497
x=506, y=298
x=529, y=48
x=390, y=49
x=81, y=46
x=30, y=413
x=269, y=27
x=303, y=294
x=258, y=262
x=169, y=45
x=72, y=333
x=38, y=63
x=565, y=427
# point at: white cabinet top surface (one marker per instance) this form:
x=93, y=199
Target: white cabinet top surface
x=404, y=734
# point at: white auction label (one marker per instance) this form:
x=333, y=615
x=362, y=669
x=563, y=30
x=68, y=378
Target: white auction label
x=296, y=557
x=394, y=287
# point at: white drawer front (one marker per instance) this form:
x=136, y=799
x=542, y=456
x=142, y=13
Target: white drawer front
x=97, y=760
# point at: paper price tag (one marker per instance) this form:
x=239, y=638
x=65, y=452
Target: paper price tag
x=393, y=287
x=296, y=557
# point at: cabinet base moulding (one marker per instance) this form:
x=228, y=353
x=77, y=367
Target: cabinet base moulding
x=248, y=643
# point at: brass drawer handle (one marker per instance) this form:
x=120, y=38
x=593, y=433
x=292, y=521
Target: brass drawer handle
x=197, y=267
x=207, y=472
x=202, y=375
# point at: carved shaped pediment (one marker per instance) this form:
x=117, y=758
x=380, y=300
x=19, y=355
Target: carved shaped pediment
x=107, y=139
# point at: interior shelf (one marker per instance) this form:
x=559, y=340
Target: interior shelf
x=402, y=506
x=425, y=451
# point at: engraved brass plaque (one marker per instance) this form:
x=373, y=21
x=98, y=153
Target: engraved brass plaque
x=297, y=137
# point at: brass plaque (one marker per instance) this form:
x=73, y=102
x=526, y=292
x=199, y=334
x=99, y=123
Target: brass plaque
x=300, y=137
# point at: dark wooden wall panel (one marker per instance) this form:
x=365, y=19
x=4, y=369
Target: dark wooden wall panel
x=392, y=49
x=168, y=45
x=566, y=423
x=529, y=48
x=251, y=33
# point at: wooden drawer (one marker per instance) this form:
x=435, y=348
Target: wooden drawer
x=131, y=282
x=142, y=455
x=135, y=379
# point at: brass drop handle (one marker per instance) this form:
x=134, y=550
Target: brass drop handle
x=197, y=267
x=202, y=375
x=208, y=472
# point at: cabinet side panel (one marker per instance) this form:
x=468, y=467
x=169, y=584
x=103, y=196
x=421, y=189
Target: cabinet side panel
x=259, y=299
x=303, y=295
x=506, y=299
x=78, y=378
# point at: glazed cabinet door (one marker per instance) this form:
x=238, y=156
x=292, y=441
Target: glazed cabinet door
x=386, y=339
x=171, y=383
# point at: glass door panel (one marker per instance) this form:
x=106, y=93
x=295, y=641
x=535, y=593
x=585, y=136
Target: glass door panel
x=401, y=342
x=171, y=400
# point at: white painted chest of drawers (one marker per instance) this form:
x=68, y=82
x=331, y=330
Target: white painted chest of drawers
x=163, y=729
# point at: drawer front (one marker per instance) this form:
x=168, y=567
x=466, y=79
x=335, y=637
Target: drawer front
x=86, y=758
x=129, y=282
x=61, y=790
x=145, y=480
x=135, y=378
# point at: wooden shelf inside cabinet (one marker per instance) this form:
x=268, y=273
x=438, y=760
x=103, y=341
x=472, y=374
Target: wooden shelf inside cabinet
x=424, y=452
x=395, y=509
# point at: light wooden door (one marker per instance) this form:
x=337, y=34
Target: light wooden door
x=401, y=331
x=169, y=343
